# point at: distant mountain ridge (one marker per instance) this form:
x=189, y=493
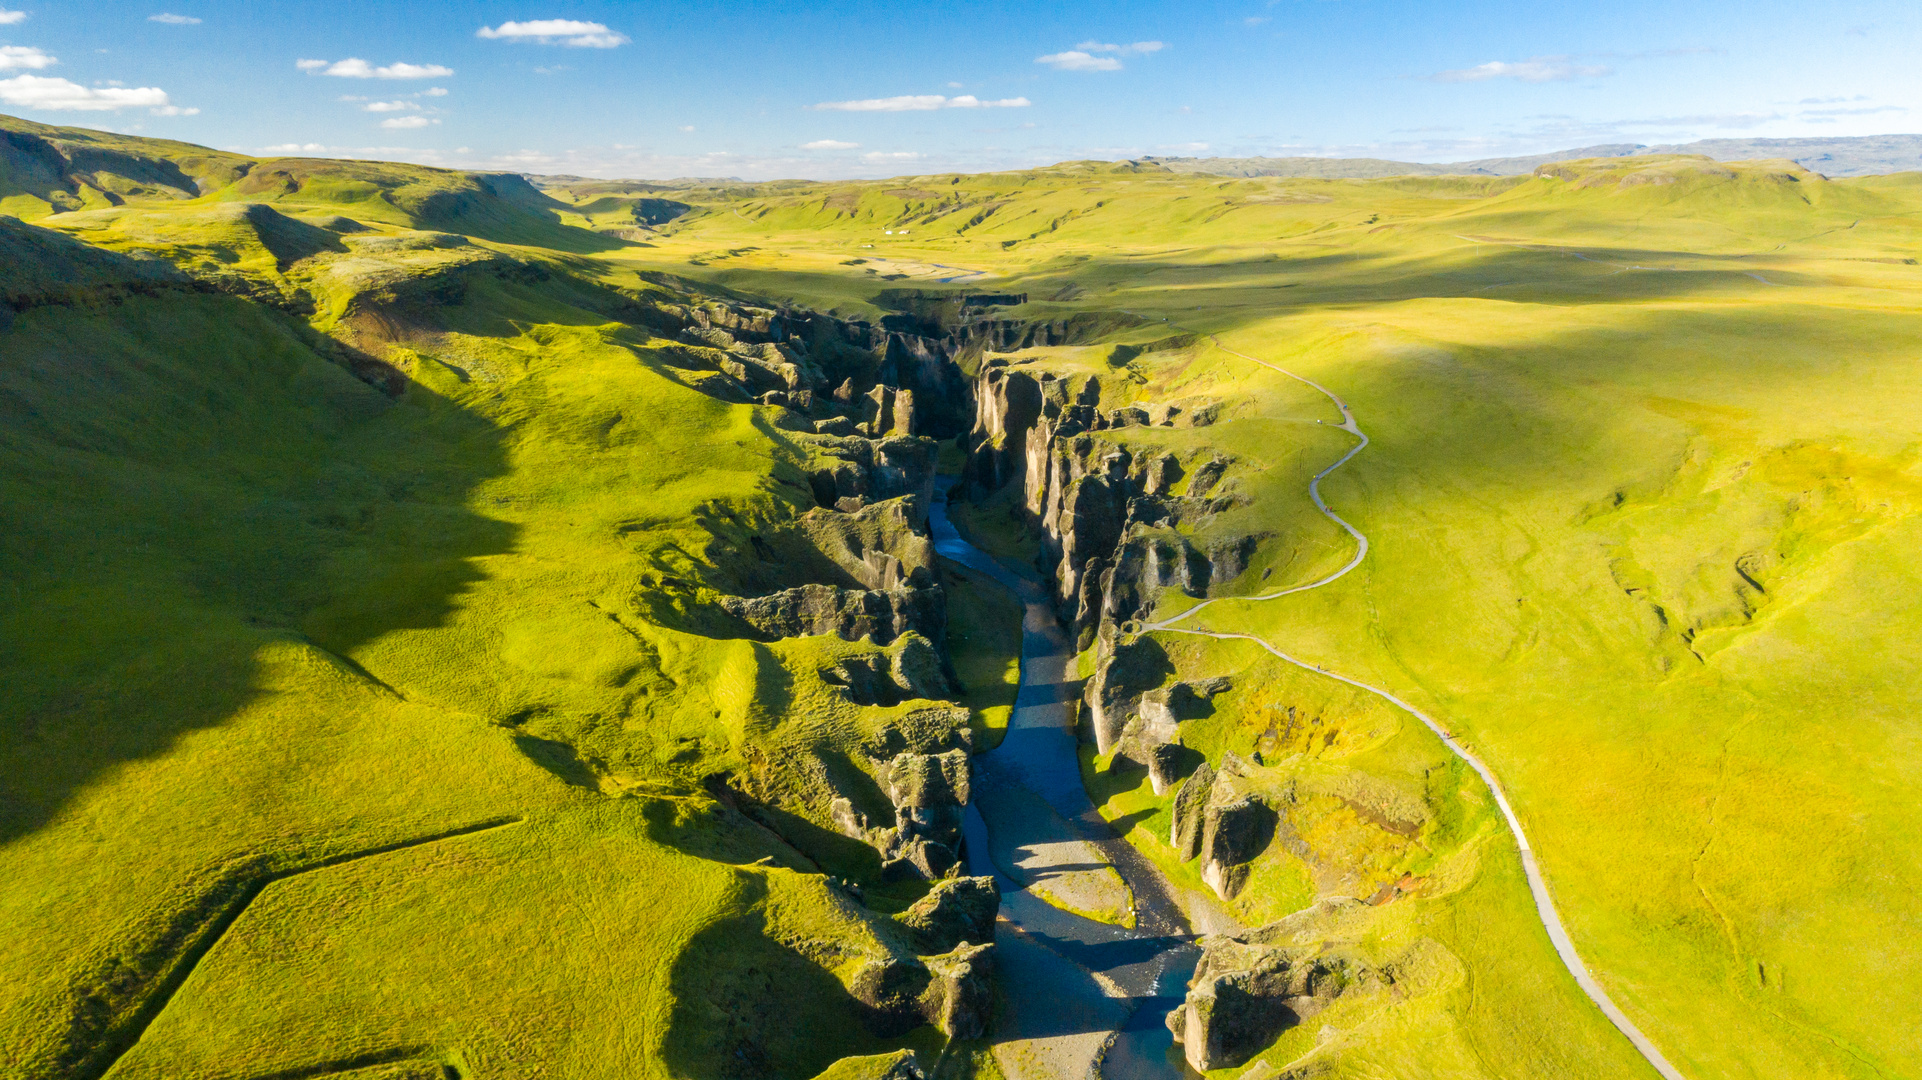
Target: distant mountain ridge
x=1864, y=155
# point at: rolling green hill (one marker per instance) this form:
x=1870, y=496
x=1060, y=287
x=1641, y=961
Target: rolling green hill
x=455, y=628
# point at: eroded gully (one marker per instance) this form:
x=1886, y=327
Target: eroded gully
x=1090, y=998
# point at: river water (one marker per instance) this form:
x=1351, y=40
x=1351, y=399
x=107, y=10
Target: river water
x=1090, y=998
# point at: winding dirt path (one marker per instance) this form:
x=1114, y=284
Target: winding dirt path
x=1537, y=884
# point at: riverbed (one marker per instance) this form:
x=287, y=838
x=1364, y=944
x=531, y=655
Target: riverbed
x=1088, y=998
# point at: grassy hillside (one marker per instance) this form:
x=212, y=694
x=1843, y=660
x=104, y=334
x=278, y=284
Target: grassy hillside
x=337, y=685
x=371, y=707
x=1641, y=497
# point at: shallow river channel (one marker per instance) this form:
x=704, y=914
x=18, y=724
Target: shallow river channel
x=1089, y=998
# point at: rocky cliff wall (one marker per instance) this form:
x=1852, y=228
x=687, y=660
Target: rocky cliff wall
x=1107, y=512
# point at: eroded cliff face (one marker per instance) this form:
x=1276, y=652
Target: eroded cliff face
x=1251, y=987
x=1118, y=520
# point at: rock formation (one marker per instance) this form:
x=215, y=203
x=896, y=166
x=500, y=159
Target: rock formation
x=912, y=669
x=960, y=996
x=887, y=411
x=1189, y=815
x=953, y=991
x=956, y=910
x=1245, y=994
x=1225, y=827
x=1107, y=512
x=930, y=792
x=879, y=614
x=853, y=472
x=883, y=545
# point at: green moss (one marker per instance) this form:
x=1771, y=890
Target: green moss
x=984, y=641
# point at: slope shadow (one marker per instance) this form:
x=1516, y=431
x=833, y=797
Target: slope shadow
x=748, y=1007
x=188, y=481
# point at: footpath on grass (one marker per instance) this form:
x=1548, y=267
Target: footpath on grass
x=1544, y=903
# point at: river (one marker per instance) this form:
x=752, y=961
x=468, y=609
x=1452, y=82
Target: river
x=1089, y=998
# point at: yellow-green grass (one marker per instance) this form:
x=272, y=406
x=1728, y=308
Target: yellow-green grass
x=714, y=970
x=1642, y=495
x=1566, y=441
x=263, y=620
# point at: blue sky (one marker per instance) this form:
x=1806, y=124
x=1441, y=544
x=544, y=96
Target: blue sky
x=763, y=90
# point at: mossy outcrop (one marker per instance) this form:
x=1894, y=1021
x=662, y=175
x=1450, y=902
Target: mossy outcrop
x=1222, y=824
x=956, y=910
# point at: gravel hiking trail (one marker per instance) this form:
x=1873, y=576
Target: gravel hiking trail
x=1544, y=904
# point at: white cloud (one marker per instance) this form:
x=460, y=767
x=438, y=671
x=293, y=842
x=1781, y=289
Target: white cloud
x=1139, y=48
x=581, y=35
x=686, y=127
x=904, y=103
x=954, y=86
x=1076, y=60
x=1184, y=148
x=60, y=95
x=171, y=19
x=898, y=155
x=292, y=148
x=969, y=101
x=434, y=91
x=829, y=144
x=24, y=56
x=390, y=106
x=355, y=68
x=174, y=110
x=1535, y=70
x=399, y=123
x=921, y=103
x=9, y=18
x=1861, y=111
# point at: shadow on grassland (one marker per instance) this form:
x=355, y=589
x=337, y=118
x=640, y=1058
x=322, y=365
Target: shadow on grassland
x=1375, y=273
x=187, y=481
x=747, y=1007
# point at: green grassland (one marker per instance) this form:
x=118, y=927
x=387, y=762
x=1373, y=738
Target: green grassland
x=1642, y=497
x=365, y=685
x=337, y=676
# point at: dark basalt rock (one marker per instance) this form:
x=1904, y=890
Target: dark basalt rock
x=1244, y=995
x=953, y=991
x=955, y=911
x=929, y=792
x=959, y=998
x=1190, y=810
x=868, y=470
x=887, y=411
x=1169, y=764
x=908, y=804
x=914, y=670
x=853, y=614
x=1234, y=834
x=1125, y=668
x=1223, y=827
